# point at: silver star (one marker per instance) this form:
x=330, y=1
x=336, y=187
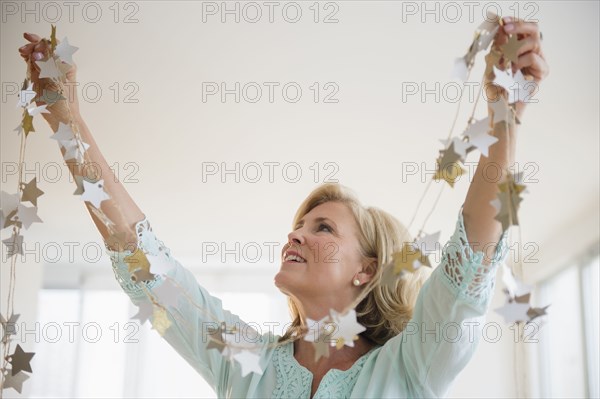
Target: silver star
x=48, y=68
x=25, y=96
x=167, y=293
x=28, y=215
x=9, y=326
x=14, y=244
x=94, y=192
x=65, y=51
x=64, y=134
x=34, y=110
x=145, y=310
x=502, y=111
x=14, y=381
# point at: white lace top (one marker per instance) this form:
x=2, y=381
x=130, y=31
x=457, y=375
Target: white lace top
x=422, y=361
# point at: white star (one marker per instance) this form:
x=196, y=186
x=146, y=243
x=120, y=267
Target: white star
x=145, y=310
x=15, y=381
x=65, y=51
x=459, y=69
x=514, y=85
x=483, y=142
x=48, y=68
x=34, y=110
x=64, y=134
x=347, y=326
x=429, y=243
x=486, y=38
x=94, y=192
x=14, y=244
x=25, y=96
x=28, y=215
x=9, y=202
x=514, y=286
x=167, y=293
x=460, y=146
x=477, y=134
x=249, y=362
x=522, y=92
x=502, y=111
x=513, y=312
x=18, y=129
x=480, y=126
x=75, y=149
x=314, y=328
x=503, y=79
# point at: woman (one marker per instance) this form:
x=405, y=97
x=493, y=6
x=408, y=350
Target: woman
x=335, y=256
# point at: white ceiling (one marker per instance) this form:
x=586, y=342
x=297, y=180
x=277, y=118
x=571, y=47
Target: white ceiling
x=370, y=134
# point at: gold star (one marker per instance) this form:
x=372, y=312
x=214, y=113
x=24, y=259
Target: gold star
x=20, y=360
x=27, y=123
x=137, y=260
x=160, y=321
x=404, y=260
x=510, y=185
x=31, y=192
x=450, y=173
x=448, y=166
x=53, y=38
x=511, y=48
x=509, y=201
x=215, y=339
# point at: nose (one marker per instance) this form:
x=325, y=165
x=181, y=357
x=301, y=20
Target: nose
x=295, y=237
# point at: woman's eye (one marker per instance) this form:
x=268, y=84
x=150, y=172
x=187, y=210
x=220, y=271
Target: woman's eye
x=323, y=225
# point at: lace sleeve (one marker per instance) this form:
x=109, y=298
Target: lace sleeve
x=146, y=241
x=448, y=318
x=192, y=310
x=463, y=269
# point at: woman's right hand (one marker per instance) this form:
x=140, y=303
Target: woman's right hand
x=61, y=111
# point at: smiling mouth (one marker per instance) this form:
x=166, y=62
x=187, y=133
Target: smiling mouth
x=294, y=259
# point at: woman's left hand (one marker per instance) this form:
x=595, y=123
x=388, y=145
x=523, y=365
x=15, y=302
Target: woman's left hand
x=531, y=60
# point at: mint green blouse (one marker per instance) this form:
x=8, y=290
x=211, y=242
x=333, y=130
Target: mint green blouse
x=422, y=361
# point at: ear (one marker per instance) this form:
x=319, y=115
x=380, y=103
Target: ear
x=369, y=269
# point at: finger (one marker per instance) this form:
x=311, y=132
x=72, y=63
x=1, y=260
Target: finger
x=532, y=64
x=32, y=37
x=523, y=28
x=26, y=49
x=41, y=47
x=529, y=44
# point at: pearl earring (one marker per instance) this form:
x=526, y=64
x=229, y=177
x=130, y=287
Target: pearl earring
x=356, y=282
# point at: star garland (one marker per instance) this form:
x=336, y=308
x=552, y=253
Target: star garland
x=224, y=338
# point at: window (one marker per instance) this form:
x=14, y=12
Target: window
x=110, y=356
x=569, y=352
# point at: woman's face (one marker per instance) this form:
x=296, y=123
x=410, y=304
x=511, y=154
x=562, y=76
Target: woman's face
x=326, y=240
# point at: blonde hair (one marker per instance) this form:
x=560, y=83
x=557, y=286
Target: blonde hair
x=384, y=312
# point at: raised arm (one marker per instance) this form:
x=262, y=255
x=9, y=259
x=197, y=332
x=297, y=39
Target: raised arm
x=482, y=229
x=120, y=209
x=189, y=308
